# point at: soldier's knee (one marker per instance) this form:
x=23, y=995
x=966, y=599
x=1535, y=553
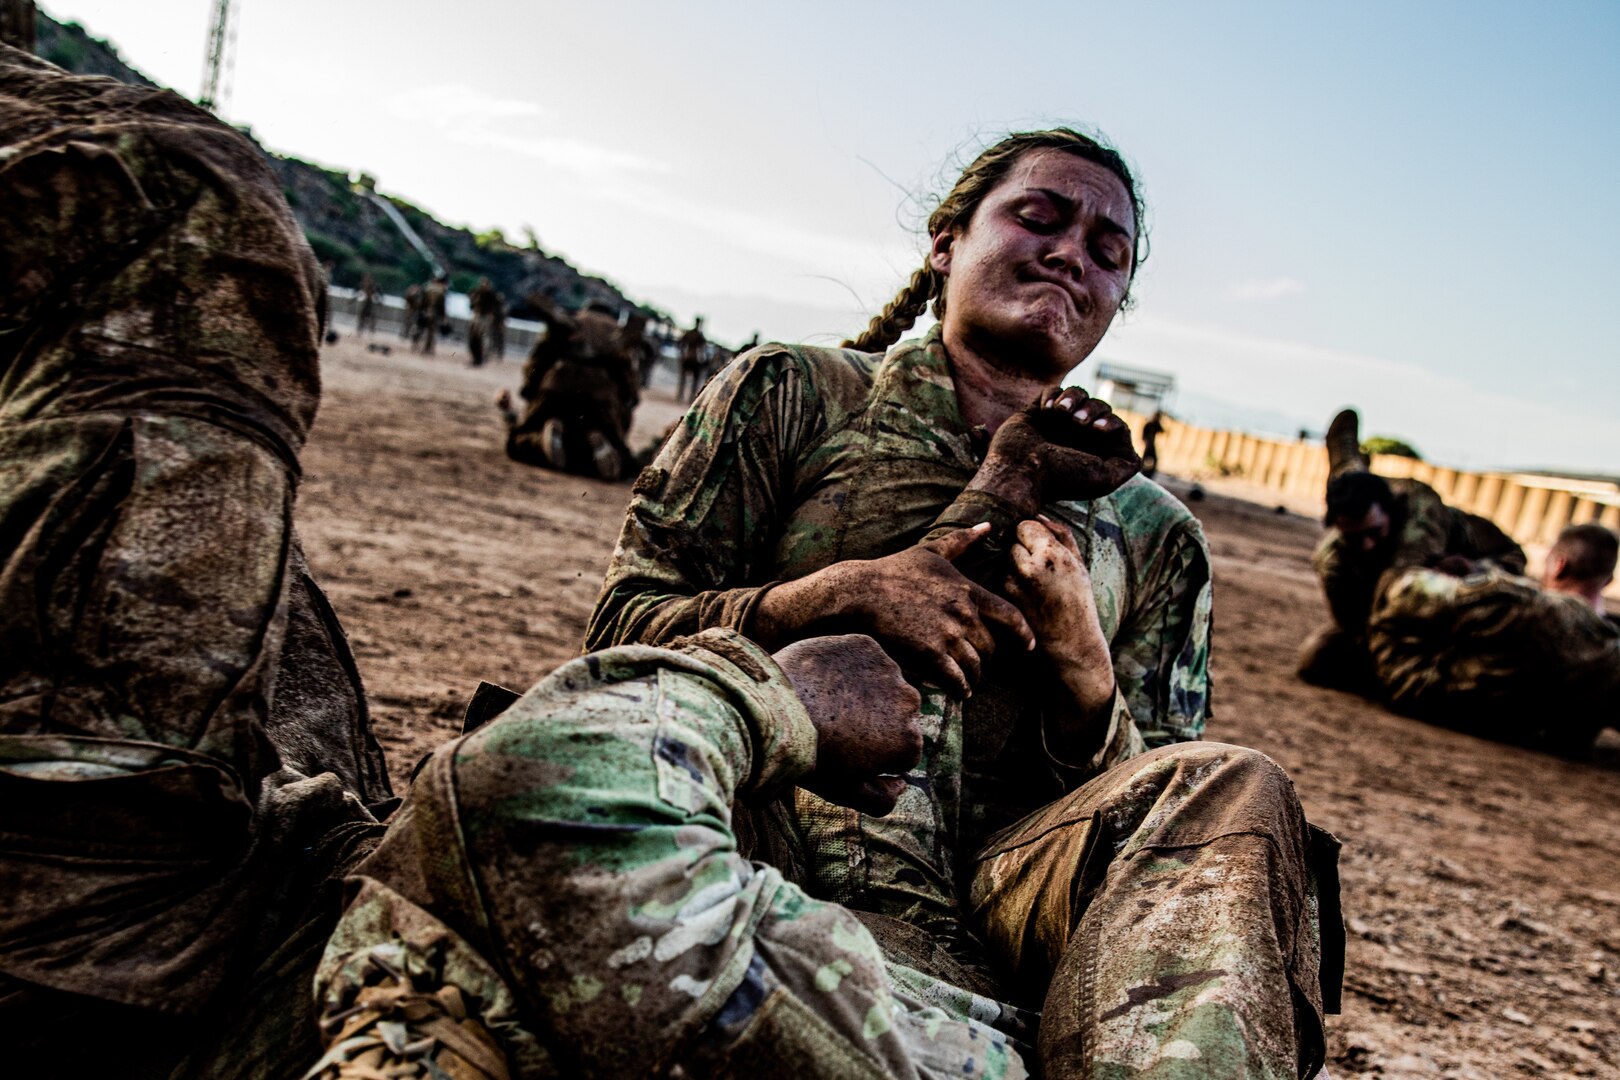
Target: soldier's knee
x=1241, y=774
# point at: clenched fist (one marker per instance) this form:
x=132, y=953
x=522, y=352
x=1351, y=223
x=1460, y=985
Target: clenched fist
x=1066, y=445
x=865, y=714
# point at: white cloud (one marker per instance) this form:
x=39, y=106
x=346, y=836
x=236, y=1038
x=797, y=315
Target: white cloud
x=447, y=105
x=1265, y=289
x=576, y=155
x=462, y=114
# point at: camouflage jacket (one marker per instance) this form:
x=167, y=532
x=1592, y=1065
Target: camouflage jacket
x=795, y=458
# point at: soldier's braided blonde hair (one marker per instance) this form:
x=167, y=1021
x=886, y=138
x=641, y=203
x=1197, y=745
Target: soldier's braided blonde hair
x=957, y=208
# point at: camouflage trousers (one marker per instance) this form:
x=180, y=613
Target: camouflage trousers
x=1495, y=654
x=574, y=868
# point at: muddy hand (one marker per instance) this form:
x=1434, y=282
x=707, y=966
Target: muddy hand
x=865, y=714
x=1070, y=445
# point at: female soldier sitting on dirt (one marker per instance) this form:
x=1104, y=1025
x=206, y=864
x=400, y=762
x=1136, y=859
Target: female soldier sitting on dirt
x=952, y=500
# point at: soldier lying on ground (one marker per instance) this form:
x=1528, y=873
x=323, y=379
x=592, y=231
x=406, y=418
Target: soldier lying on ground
x=998, y=551
x=185, y=759
x=1377, y=528
x=581, y=387
x=1490, y=652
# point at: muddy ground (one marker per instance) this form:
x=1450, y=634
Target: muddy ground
x=1481, y=881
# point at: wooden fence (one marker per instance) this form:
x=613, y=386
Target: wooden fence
x=1531, y=509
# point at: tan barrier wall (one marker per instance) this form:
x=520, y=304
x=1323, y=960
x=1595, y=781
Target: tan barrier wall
x=1531, y=509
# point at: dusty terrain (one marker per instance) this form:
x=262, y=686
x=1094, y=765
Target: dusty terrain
x=1481, y=882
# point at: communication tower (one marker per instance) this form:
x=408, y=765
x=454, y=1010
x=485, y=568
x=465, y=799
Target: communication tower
x=220, y=40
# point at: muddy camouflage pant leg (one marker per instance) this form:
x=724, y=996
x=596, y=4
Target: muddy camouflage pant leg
x=1497, y=655
x=572, y=867
x=1169, y=912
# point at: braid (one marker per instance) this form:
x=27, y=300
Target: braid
x=903, y=311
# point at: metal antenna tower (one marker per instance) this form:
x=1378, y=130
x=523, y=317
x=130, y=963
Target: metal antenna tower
x=218, y=43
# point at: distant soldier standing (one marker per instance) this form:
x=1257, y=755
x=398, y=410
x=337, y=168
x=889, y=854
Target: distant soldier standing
x=497, y=328
x=485, y=303
x=694, y=360
x=433, y=311
x=367, y=317
x=411, y=327
x=1150, y=443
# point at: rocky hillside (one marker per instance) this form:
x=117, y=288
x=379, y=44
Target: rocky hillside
x=352, y=234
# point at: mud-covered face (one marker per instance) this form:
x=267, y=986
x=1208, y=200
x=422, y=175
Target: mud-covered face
x=1039, y=271
x=1367, y=534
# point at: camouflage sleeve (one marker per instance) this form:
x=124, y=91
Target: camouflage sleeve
x=1161, y=654
x=1424, y=532
x=583, y=843
x=697, y=541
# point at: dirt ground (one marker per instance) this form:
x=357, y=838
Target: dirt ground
x=1481, y=882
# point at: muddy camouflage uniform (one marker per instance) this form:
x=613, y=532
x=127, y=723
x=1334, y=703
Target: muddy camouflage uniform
x=1423, y=531
x=578, y=870
x=1498, y=655
x=184, y=753
x=796, y=458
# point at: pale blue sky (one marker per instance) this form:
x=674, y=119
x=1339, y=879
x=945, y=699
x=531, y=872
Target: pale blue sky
x=1409, y=207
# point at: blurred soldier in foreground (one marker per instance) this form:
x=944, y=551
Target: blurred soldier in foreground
x=1377, y=528
x=485, y=304
x=434, y=296
x=366, y=319
x=1498, y=655
x=580, y=387
x=185, y=758
x=694, y=361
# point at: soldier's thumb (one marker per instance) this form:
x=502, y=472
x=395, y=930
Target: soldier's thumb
x=953, y=544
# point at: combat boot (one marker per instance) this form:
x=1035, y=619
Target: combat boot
x=1344, y=445
x=397, y=1029
x=604, y=458
x=554, y=444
